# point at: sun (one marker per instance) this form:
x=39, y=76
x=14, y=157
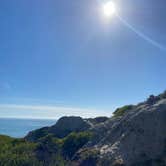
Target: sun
x=109, y=9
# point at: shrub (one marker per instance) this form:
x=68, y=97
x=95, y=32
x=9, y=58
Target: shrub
x=121, y=111
x=73, y=142
x=17, y=152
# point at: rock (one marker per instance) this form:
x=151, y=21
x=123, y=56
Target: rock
x=152, y=99
x=62, y=128
x=66, y=125
x=137, y=138
x=97, y=120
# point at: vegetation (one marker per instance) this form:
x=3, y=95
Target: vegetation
x=153, y=99
x=121, y=111
x=163, y=95
x=72, y=143
x=16, y=152
x=49, y=150
x=89, y=156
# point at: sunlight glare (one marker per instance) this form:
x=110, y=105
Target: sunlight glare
x=109, y=9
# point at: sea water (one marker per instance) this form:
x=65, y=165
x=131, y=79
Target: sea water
x=20, y=127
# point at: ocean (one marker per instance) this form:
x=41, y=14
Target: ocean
x=20, y=127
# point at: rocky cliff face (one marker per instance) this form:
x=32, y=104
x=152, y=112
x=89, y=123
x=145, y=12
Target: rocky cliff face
x=134, y=136
x=138, y=137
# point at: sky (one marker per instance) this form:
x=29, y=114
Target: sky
x=64, y=57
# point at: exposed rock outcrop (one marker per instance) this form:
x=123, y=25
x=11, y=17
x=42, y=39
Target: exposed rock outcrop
x=136, y=138
x=62, y=128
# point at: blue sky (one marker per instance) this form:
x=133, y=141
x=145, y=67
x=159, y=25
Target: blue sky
x=65, y=58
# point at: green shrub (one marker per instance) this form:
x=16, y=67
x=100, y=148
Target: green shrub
x=49, y=150
x=17, y=152
x=121, y=111
x=73, y=142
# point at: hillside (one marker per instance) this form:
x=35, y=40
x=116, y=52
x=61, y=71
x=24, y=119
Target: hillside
x=134, y=136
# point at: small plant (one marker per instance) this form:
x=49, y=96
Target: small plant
x=121, y=111
x=73, y=142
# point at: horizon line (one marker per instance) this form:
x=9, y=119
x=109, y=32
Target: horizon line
x=48, y=112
